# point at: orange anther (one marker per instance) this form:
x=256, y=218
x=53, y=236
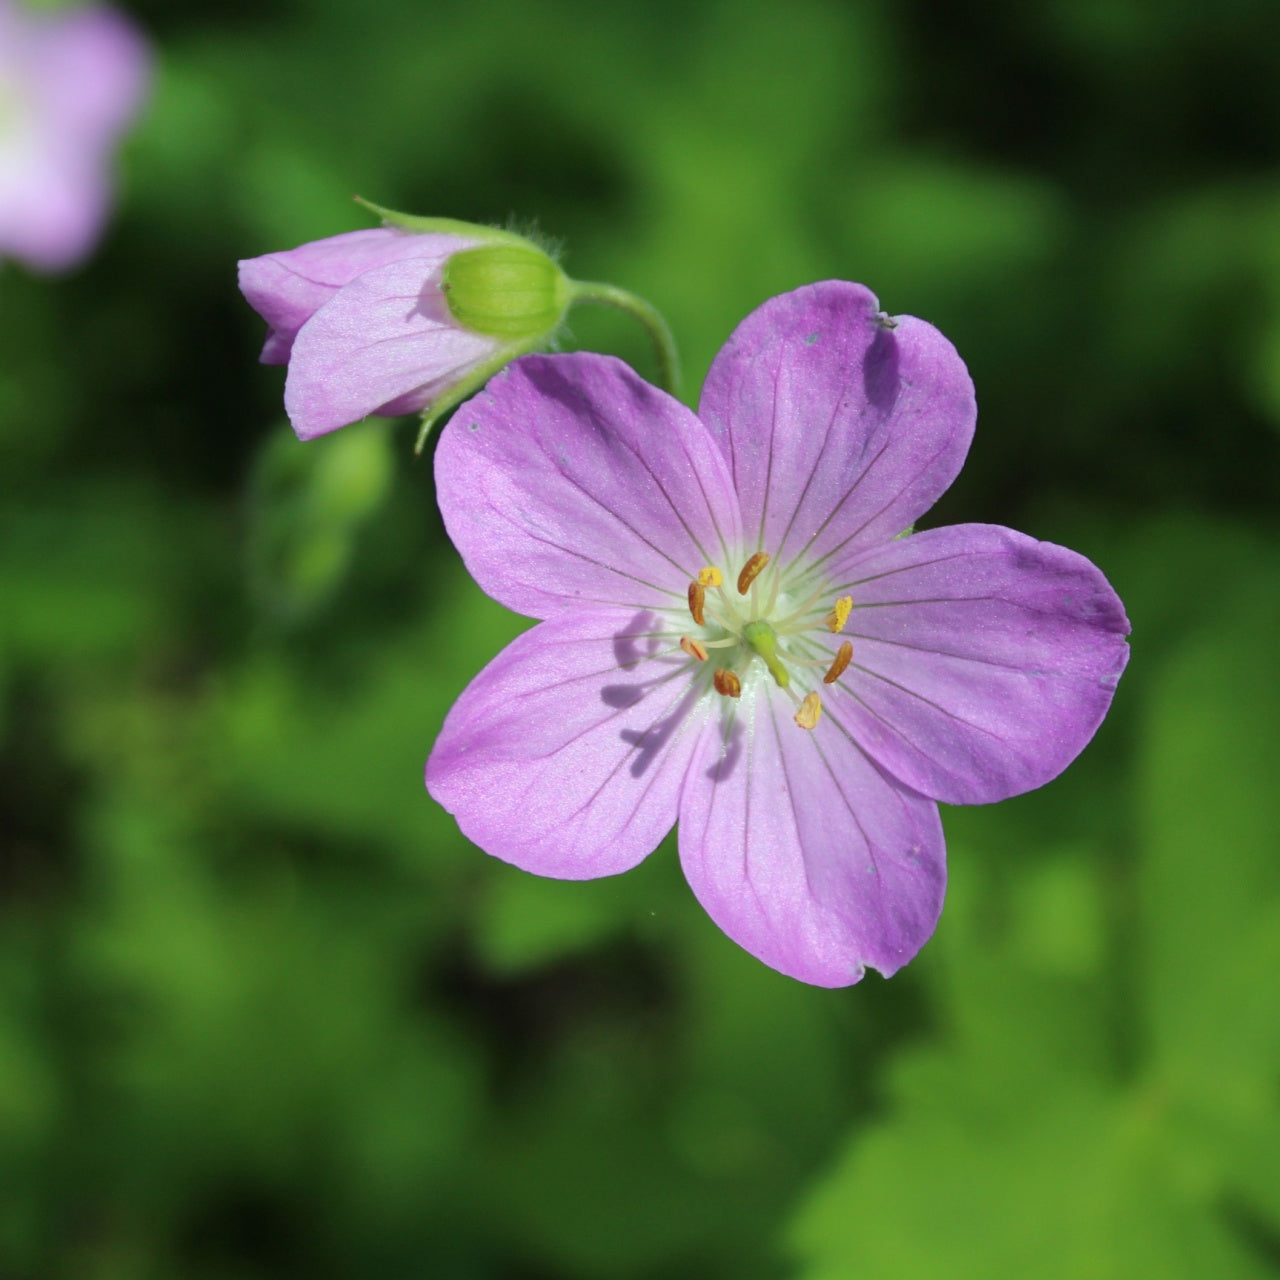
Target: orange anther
x=697, y=600
x=751, y=571
x=727, y=683
x=844, y=656
x=693, y=648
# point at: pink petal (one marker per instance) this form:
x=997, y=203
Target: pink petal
x=983, y=660
x=566, y=754
x=840, y=430
x=52, y=214
x=287, y=288
x=803, y=852
x=93, y=67
x=571, y=480
x=385, y=339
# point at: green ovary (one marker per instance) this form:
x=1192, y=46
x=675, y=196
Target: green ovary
x=761, y=639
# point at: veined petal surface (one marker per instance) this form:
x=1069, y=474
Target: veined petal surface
x=287, y=288
x=571, y=481
x=384, y=340
x=983, y=660
x=803, y=852
x=841, y=427
x=566, y=754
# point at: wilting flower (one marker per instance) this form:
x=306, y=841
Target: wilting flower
x=70, y=83
x=734, y=634
x=401, y=318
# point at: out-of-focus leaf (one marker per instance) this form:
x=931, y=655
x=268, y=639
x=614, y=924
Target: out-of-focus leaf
x=307, y=505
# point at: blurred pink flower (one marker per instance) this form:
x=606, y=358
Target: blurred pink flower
x=71, y=81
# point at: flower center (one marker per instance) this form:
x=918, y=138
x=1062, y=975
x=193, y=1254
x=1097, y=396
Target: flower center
x=774, y=625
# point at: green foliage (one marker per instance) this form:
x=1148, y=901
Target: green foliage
x=263, y=1011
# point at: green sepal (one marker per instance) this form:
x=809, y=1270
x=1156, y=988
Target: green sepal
x=444, y=226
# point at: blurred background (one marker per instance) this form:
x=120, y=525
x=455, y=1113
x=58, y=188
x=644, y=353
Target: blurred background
x=263, y=1012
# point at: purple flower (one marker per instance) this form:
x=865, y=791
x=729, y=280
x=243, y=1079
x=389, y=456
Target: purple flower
x=70, y=83
x=394, y=320
x=734, y=634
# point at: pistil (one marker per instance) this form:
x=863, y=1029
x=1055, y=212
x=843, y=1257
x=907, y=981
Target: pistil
x=761, y=639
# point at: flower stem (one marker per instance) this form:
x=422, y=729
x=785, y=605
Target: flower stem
x=466, y=386
x=664, y=345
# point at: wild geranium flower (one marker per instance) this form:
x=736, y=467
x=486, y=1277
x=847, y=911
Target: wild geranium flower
x=71, y=82
x=734, y=634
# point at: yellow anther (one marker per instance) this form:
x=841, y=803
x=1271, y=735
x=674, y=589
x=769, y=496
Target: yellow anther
x=727, y=683
x=840, y=614
x=693, y=648
x=810, y=710
x=697, y=599
x=844, y=656
x=751, y=571
x=710, y=576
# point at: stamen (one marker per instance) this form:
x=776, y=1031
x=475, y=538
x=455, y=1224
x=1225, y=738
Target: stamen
x=844, y=655
x=710, y=576
x=840, y=614
x=697, y=599
x=810, y=710
x=751, y=570
x=696, y=650
x=727, y=683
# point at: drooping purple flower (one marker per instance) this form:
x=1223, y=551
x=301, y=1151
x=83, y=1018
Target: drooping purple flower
x=396, y=319
x=71, y=82
x=735, y=636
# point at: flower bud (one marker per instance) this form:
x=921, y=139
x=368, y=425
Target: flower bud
x=509, y=291
x=414, y=315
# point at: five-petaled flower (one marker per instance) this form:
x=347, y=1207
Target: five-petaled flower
x=735, y=635
x=70, y=83
x=400, y=318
